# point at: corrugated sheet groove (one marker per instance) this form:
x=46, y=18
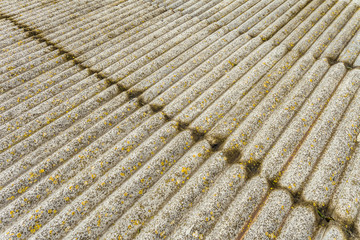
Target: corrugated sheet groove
x=179, y=119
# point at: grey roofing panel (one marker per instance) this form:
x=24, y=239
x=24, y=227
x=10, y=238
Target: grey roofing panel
x=301, y=165
x=333, y=232
x=352, y=50
x=163, y=223
x=299, y=224
x=345, y=199
x=179, y=119
x=267, y=221
x=239, y=213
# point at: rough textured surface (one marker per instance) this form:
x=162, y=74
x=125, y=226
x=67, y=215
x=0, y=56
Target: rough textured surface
x=180, y=119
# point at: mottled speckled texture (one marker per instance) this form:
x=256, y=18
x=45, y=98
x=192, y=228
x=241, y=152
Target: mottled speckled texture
x=179, y=119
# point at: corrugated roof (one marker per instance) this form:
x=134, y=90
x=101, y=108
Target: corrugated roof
x=180, y=119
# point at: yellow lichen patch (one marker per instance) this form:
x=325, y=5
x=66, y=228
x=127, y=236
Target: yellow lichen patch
x=184, y=170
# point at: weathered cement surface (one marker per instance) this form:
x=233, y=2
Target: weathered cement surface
x=180, y=119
